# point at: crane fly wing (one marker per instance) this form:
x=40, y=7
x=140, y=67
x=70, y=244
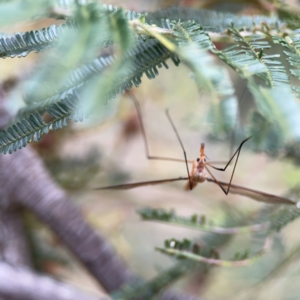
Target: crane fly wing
x=138, y=184
x=255, y=195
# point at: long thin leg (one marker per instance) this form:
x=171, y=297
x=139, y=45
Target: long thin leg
x=232, y=139
x=127, y=186
x=217, y=182
x=148, y=156
x=182, y=147
x=237, y=152
x=147, y=152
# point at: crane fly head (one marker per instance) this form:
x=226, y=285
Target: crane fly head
x=198, y=173
x=201, y=159
x=202, y=147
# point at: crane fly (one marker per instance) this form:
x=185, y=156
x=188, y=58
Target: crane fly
x=199, y=171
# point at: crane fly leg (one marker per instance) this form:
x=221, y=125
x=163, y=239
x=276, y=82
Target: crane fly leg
x=237, y=154
x=216, y=181
x=182, y=147
x=148, y=156
x=147, y=152
x=127, y=186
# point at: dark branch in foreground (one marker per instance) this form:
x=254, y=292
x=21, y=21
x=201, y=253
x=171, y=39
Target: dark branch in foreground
x=41, y=195
x=13, y=245
x=25, y=182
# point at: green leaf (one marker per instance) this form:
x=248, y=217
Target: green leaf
x=279, y=105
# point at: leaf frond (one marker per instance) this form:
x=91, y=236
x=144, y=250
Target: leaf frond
x=284, y=113
x=147, y=290
x=20, y=134
x=21, y=44
x=146, y=58
x=208, y=246
x=210, y=20
x=283, y=217
x=32, y=127
x=292, y=43
x=195, y=222
x=251, y=48
x=187, y=250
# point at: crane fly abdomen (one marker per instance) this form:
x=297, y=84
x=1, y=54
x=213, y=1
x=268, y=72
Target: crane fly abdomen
x=188, y=186
x=197, y=174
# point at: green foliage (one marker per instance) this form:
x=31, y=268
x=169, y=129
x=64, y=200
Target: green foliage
x=21, y=44
x=283, y=217
x=195, y=222
x=147, y=290
x=33, y=126
x=211, y=20
x=139, y=52
x=190, y=250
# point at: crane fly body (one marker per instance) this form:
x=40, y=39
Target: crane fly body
x=199, y=170
x=197, y=173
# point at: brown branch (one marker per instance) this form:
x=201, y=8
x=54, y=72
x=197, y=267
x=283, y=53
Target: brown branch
x=13, y=245
x=24, y=180
x=22, y=284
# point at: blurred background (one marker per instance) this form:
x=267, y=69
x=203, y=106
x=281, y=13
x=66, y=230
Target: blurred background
x=82, y=157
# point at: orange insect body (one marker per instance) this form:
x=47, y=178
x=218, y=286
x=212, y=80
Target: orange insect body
x=198, y=173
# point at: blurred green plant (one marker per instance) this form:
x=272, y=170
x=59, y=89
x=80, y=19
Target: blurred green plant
x=71, y=83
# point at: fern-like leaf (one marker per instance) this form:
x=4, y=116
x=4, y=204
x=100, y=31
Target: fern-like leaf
x=292, y=43
x=21, y=44
x=187, y=250
x=33, y=126
x=195, y=222
x=20, y=134
x=266, y=66
x=146, y=58
x=283, y=217
x=210, y=20
x=193, y=46
x=146, y=290
x=284, y=113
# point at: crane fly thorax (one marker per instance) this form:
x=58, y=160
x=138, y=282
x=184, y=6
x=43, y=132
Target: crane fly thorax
x=198, y=171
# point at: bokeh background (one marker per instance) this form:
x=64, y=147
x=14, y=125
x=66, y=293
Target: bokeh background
x=84, y=156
